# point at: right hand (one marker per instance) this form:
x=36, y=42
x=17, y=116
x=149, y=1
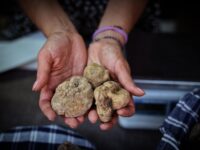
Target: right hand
x=62, y=56
x=107, y=53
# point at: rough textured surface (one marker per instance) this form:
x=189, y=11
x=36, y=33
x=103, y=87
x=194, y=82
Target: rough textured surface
x=109, y=97
x=96, y=74
x=73, y=97
x=68, y=146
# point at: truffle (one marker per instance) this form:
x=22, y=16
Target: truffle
x=110, y=96
x=73, y=97
x=96, y=74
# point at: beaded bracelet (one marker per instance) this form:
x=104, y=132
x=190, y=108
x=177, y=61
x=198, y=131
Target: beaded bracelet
x=113, y=28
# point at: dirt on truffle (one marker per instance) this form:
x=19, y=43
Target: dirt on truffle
x=96, y=74
x=73, y=97
x=110, y=96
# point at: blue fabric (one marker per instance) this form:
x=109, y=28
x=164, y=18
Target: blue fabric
x=180, y=121
x=46, y=137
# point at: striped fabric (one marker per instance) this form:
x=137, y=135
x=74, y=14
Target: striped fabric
x=180, y=121
x=46, y=137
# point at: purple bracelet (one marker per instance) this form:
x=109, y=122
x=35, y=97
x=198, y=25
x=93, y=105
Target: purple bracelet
x=114, y=28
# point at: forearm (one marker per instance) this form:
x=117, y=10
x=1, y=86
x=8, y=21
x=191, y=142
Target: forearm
x=47, y=15
x=123, y=13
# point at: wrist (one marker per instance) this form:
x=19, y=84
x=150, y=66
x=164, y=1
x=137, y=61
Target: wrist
x=58, y=27
x=51, y=18
x=111, y=32
x=109, y=39
x=61, y=30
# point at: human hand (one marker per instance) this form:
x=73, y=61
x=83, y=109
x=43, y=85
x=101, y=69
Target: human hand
x=62, y=56
x=107, y=53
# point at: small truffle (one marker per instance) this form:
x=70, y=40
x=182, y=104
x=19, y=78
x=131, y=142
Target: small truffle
x=96, y=74
x=73, y=97
x=68, y=146
x=110, y=96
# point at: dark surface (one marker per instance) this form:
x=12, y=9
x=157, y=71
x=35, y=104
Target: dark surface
x=164, y=56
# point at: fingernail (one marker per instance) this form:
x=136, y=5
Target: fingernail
x=93, y=121
x=120, y=112
x=140, y=90
x=51, y=117
x=35, y=86
x=104, y=127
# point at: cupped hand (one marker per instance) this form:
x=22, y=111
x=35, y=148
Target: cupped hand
x=62, y=56
x=108, y=53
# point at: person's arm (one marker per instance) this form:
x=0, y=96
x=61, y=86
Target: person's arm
x=123, y=13
x=47, y=15
x=60, y=56
x=107, y=52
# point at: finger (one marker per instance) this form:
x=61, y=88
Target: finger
x=45, y=105
x=72, y=122
x=80, y=119
x=82, y=57
x=92, y=60
x=89, y=61
x=43, y=71
x=109, y=125
x=92, y=116
x=113, y=76
x=79, y=68
x=125, y=79
x=127, y=111
x=55, y=81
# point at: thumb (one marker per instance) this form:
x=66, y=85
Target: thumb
x=126, y=80
x=43, y=71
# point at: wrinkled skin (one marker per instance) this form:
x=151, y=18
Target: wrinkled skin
x=109, y=97
x=96, y=74
x=73, y=97
x=59, y=59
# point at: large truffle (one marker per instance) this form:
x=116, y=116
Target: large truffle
x=73, y=97
x=96, y=74
x=110, y=96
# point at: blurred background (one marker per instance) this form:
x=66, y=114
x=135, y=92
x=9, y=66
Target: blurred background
x=164, y=62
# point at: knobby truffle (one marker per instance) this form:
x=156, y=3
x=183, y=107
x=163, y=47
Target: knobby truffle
x=96, y=74
x=73, y=97
x=110, y=96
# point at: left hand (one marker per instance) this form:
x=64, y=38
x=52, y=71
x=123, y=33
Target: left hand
x=107, y=53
